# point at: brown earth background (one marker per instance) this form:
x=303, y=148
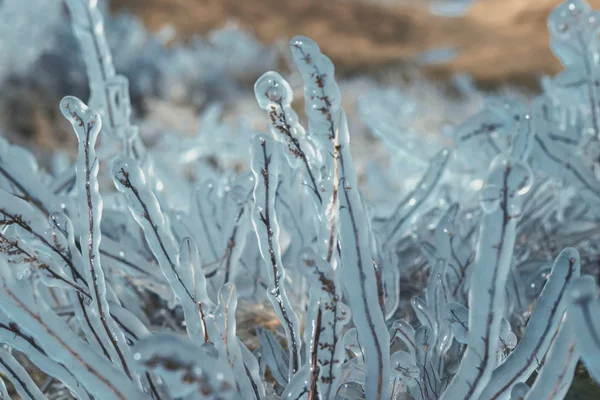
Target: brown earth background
x=499, y=41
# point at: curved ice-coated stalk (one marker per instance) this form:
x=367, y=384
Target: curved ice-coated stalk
x=189, y=268
x=507, y=184
x=326, y=308
x=64, y=241
x=555, y=160
x=425, y=339
x=414, y=200
x=321, y=92
x=31, y=236
x=4, y=391
x=457, y=316
x=96, y=373
x=88, y=27
x=541, y=328
x=359, y=275
x=264, y=220
x=12, y=335
x=185, y=368
x=275, y=96
x=555, y=376
x=304, y=385
x=252, y=370
x=583, y=312
x=143, y=205
x=21, y=172
x=402, y=330
x=322, y=99
x=273, y=356
x=404, y=366
x=87, y=125
x=229, y=346
x=18, y=376
x=109, y=91
x=136, y=265
x=423, y=313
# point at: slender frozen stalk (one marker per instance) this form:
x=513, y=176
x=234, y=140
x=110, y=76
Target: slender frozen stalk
x=275, y=96
x=397, y=224
x=541, y=328
x=143, y=205
x=273, y=356
x=359, y=275
x=507, y=184
x=97, y=374
x=18, y=376
x=87, y=125
x=327, y=312
x=3, y=391
x=20, y=170
x=322, y=99
x=14, y=336
x=557, y=372
x=186, y=369
x=583, y=310
x=265, y=170
x=109, y=91
x=225, y=321
x=189, y=268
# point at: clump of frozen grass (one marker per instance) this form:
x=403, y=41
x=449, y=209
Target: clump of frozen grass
x=132, y=292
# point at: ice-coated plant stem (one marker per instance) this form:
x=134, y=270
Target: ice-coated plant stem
x=264, y=167
x=543, y=324
x=87, y=125
x=501, y=200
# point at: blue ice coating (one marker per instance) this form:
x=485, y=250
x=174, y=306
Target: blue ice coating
x=188, y=370
x=145, y=291
x=264, y=219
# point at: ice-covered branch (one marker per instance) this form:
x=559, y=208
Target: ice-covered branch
x=541, y=328
x=87, y=125
x=359, y=274
x=507, y=184
x=265, y=169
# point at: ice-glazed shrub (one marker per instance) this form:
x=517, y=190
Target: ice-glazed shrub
x=121, y=274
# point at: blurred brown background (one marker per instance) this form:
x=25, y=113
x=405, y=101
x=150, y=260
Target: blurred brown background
x=499, y=41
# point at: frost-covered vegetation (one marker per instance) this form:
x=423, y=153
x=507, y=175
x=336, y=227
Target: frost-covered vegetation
x=121, y=273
